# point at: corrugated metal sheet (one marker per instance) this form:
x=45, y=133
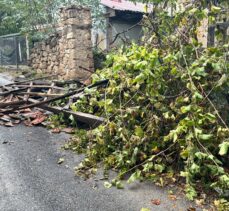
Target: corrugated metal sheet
x=124, y=5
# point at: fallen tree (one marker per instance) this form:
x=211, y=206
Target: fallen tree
x=166, y=108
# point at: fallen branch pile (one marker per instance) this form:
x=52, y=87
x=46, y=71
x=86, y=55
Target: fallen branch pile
x=18, y=98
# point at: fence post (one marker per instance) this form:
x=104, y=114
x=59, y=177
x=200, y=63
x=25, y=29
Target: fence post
x=16, y=48
x=1, y=59
x=27, y=47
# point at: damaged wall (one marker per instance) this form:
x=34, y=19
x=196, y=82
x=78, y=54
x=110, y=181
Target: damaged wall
x=69, y=50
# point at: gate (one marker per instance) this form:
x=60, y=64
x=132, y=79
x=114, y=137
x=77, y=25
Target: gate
x=13, y=50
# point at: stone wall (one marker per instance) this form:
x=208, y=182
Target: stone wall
x=69, y=50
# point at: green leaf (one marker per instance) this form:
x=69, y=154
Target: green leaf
x=145, y=209
x=205, y=137
x=185, y=109
x=215, y=9
x=159, y=168
x=136, y=175
x=224, y=148
x=197, y=96
x=107, y=185
x=193, y=10
x=174, y=71
x=222, y=80
x=60, y=161
x=190, y=192
x=201, y=155
x=119, y=185
x=148, y=167
x=184, y=154
x=108, y=101
x=139, y=132
x=195, y=168
x=151, y=158
x=140, y=78
x=134, y=155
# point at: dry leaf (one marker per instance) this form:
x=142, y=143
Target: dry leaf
x=156, y=201
x=26, y=110
x=172, y=197
x=199, y=202
x=56, y=130
x=191, y=209
x=9, y=124
x=27, y=123
x=39, y=120
x=17, y=121
x=68, y=130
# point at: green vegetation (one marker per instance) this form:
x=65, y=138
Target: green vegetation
x=166, y=108
x=26, y=16
x=164, y=117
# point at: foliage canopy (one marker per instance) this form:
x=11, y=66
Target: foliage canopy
x=25, y=16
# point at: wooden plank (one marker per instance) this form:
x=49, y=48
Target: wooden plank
x=12, y=92
x=40, y=86
x=92, y=120
x=48, y=83
x=41, y=94
x=14, y=103
x=29, y=90
x=50, y=91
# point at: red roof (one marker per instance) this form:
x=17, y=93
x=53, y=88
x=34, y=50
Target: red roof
x=124, y=5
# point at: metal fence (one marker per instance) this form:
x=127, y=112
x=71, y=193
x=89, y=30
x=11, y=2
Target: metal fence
x=13, y=50
x=219, y=28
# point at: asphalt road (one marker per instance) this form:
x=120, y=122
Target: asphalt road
x=31, y=179
x=4, y=78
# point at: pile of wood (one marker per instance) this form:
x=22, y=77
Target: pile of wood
x=32, y=99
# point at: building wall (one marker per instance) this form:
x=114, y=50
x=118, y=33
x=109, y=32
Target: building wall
x=99, y=39
x=119, y=26
x=68, y=52
x=121, y=23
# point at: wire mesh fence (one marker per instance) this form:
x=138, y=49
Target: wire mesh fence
x=13, y=50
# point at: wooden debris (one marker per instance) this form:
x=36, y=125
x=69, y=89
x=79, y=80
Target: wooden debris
x=29, y=80
x=12, y=104
x=18, y=98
